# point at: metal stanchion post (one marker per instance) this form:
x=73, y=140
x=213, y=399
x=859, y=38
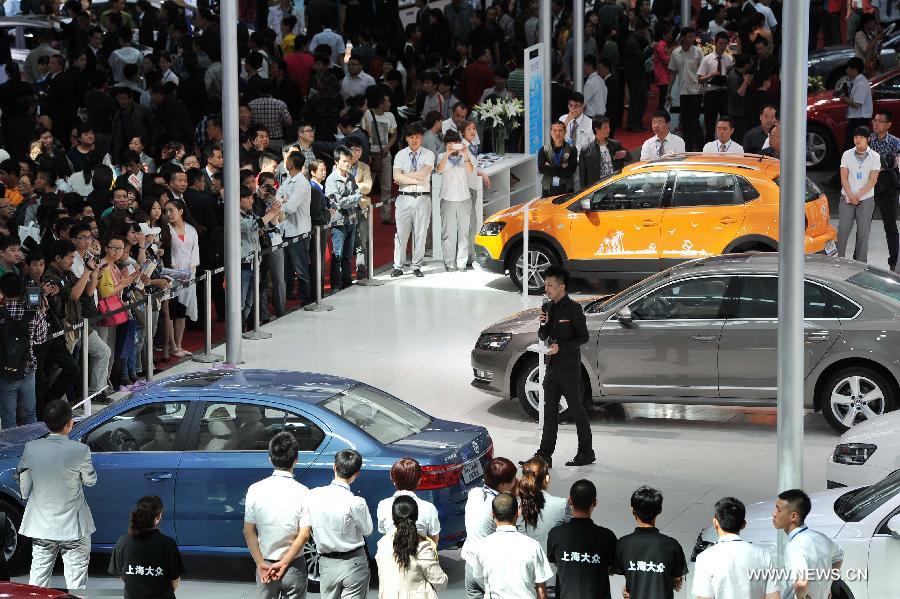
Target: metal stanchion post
x=319, y=306
x=370, y=280
x=256, y=334
x=148, y=339
x=541, y=371
x=207, y=356
x=85, y=367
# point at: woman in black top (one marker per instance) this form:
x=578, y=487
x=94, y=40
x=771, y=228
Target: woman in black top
x=145, y=559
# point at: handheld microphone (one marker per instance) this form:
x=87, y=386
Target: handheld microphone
x=546, y=302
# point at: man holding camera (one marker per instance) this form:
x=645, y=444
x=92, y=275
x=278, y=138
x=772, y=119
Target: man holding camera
x=564, y=330
x=76, y=292
x=24, y=327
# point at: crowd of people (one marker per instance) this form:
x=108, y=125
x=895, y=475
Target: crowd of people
x=520, y=539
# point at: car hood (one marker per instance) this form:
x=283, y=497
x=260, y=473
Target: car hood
x=526, y=321
x=820, y=100
x=515, y=212
x=13, y=440
x=831, y=52
x=759, y=529
x=883, y=428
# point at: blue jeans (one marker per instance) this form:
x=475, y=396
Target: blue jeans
x=343, y=242
x=246, y=292
x=298, y=255
x=17, y=399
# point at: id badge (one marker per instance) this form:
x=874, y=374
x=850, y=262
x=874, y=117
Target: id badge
x=859, y=175
x=555, y=182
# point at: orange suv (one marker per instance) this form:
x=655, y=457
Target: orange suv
x=650, y=216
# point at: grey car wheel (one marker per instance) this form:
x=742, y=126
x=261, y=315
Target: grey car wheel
x=816, y=148
x=854, y=395
x=311, y=553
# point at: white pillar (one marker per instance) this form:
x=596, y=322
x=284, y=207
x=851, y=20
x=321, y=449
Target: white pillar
x=578, y=54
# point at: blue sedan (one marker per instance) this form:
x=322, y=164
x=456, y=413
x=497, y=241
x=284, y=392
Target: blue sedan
x=199, y=440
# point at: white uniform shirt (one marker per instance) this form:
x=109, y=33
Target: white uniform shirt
x=858, y=170
x=279, y=507
x=454, y=180
x=479, y=520
x=295, y=196
x=810, y=550
x=686, y=64
x=710, y=66
x=339, y=518
x=509, y=564
x=860, y=93
x=580, y=132
x=771, y=21
x=716, y=147
x=595, y=95
x=428, y=524
x=654, y=147
x=722, y=571
x=406, y=162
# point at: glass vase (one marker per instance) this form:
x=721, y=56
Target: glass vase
x=499, y=139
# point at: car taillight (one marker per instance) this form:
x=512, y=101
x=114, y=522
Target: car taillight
x=440, y=477
x=489, y=454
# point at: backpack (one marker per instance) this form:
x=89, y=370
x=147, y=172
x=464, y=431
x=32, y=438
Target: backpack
x=15, y=346
x=318, y=208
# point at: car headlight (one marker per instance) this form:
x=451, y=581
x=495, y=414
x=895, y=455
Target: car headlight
x=493, y=341
x=492, y=229
x=853, y=454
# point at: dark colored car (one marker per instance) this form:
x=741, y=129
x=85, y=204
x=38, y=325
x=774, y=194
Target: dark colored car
x=829, y=62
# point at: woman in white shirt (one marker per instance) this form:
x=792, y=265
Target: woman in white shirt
x=860, y=166
x=470, y=138
x=408, y=565
x=539, y=512
x=406, y=474
x=185, y=256
x=455, y=166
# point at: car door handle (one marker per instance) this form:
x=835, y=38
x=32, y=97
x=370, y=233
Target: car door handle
x=704, y=338
x=727, y=220
x=817, y=337
x=157, y=477
x=650, y=223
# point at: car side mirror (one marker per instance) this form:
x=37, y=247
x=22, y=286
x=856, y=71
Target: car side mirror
x=893, y=526
x=624, y=316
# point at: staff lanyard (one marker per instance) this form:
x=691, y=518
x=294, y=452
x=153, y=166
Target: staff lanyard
x=557, y=156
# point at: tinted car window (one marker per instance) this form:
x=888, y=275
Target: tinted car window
x=703, y=189
x=631, y=193
x=748, y=192
x=758, y=298
x=812, y=190
x=693, y=299
x=250, y=427
x=382, y=416
x=150, y=427
x=877, y=280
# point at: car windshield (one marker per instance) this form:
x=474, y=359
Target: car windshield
x=857, y=504
x=382, y=416
x=877, y=280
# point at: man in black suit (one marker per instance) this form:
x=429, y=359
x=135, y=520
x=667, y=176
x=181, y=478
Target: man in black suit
x=58, y=104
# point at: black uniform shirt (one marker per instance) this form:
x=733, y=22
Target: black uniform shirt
x=583, y=553
x=567, y=327
x=147, y=565
x=650, y=561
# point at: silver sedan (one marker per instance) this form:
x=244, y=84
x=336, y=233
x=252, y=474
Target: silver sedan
x=705, y=332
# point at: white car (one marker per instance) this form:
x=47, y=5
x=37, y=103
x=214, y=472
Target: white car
x=866, y=453
x=865, y=522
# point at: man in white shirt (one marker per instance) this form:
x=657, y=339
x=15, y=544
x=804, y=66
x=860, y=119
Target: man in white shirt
x=685, y=63
x=330, y=38
x=663, y=141
x=594, y=89
x=277, y=525
x=355, y=81
x=806, y=550
x=340, y=521
x=723, y=143
x=724, y=570
x=126, y=54
x=712, y=75
x=579, y=127
x=458, y=115
x=295, y=195
x=858, y=97
x=412, y=173
x=860, y=166
x=508, y=563
x=762, y=7
x=406, y=473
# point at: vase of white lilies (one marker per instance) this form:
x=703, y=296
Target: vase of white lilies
x=500, y=116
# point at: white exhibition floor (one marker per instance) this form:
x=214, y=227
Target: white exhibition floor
x=412, y=337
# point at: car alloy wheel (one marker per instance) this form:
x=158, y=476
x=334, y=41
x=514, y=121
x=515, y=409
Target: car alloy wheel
x=816, y=148
x=856, y=398
x=533, y=388
x=538, y=263
x=311, y=554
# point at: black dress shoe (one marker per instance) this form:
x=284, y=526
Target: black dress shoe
x=396, y=273
x=418, y=272
x=537, y=455
x=582, y=459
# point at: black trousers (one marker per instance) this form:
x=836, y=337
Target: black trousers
x=57, y=354
x=715, y=104
x=690, y=122
x=637, y=100
x=887, y=207
x=566, y=383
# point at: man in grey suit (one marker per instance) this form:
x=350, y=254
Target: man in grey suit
x=51, y=474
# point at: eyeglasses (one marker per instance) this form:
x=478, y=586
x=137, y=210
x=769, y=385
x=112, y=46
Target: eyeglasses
x=880, y=121
x=308, y=130
x=116, y=247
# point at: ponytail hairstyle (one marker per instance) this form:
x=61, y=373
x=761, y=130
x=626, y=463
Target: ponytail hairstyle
x=531, y=489
x=405, y=512
x=143, y=518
